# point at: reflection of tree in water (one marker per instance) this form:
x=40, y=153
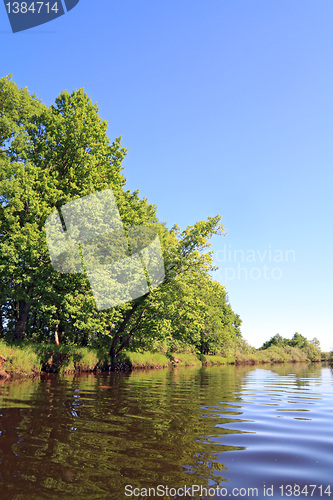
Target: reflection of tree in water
x=30, y=443
x=299, y=369
x=89, y=436
x=302, y=372
x=168, y=416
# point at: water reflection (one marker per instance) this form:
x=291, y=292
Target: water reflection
x=284, y=423
x=89, y=436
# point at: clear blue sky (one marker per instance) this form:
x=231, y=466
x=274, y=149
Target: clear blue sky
x=225, y=107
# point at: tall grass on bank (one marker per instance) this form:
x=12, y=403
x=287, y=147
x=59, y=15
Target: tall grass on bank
x=209, y=360
x=184, y=359
x=28, y=359
x=144, y=359
x=67, y=358
x=19, y=360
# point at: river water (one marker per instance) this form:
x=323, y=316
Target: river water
x=237, y=432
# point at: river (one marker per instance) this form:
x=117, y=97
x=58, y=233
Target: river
x=237, y=432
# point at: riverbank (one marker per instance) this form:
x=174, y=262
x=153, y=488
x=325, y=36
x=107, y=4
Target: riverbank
x=30, y=360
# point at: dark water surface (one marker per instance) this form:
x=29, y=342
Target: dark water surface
x=87, y=437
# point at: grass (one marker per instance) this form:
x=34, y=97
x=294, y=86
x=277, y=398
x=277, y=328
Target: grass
x=209, y=360
x=28, y=358
x=185, y=359
x=19, y=360
x=67, y=358
x=145, y=359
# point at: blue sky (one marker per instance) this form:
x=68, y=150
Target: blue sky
x=225, y=107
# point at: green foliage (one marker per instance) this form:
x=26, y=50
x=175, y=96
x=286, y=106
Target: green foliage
x=277, y=340
x=298, y=348
x=275, y=354
x=326, y=356
x=50, y=156
x=312, y=351
x=236, y=347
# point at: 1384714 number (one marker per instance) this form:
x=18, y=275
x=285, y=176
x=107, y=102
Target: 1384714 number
x=32, y=7
x=297, y=490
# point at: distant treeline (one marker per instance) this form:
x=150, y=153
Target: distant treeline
x=298, y=348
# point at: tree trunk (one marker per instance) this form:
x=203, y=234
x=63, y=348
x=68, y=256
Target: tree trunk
x=121, y=342
x=1, y=322
x=113, y=358
x=21, y=321
x=56, y=334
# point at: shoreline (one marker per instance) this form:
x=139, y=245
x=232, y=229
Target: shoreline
x=41, y=360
